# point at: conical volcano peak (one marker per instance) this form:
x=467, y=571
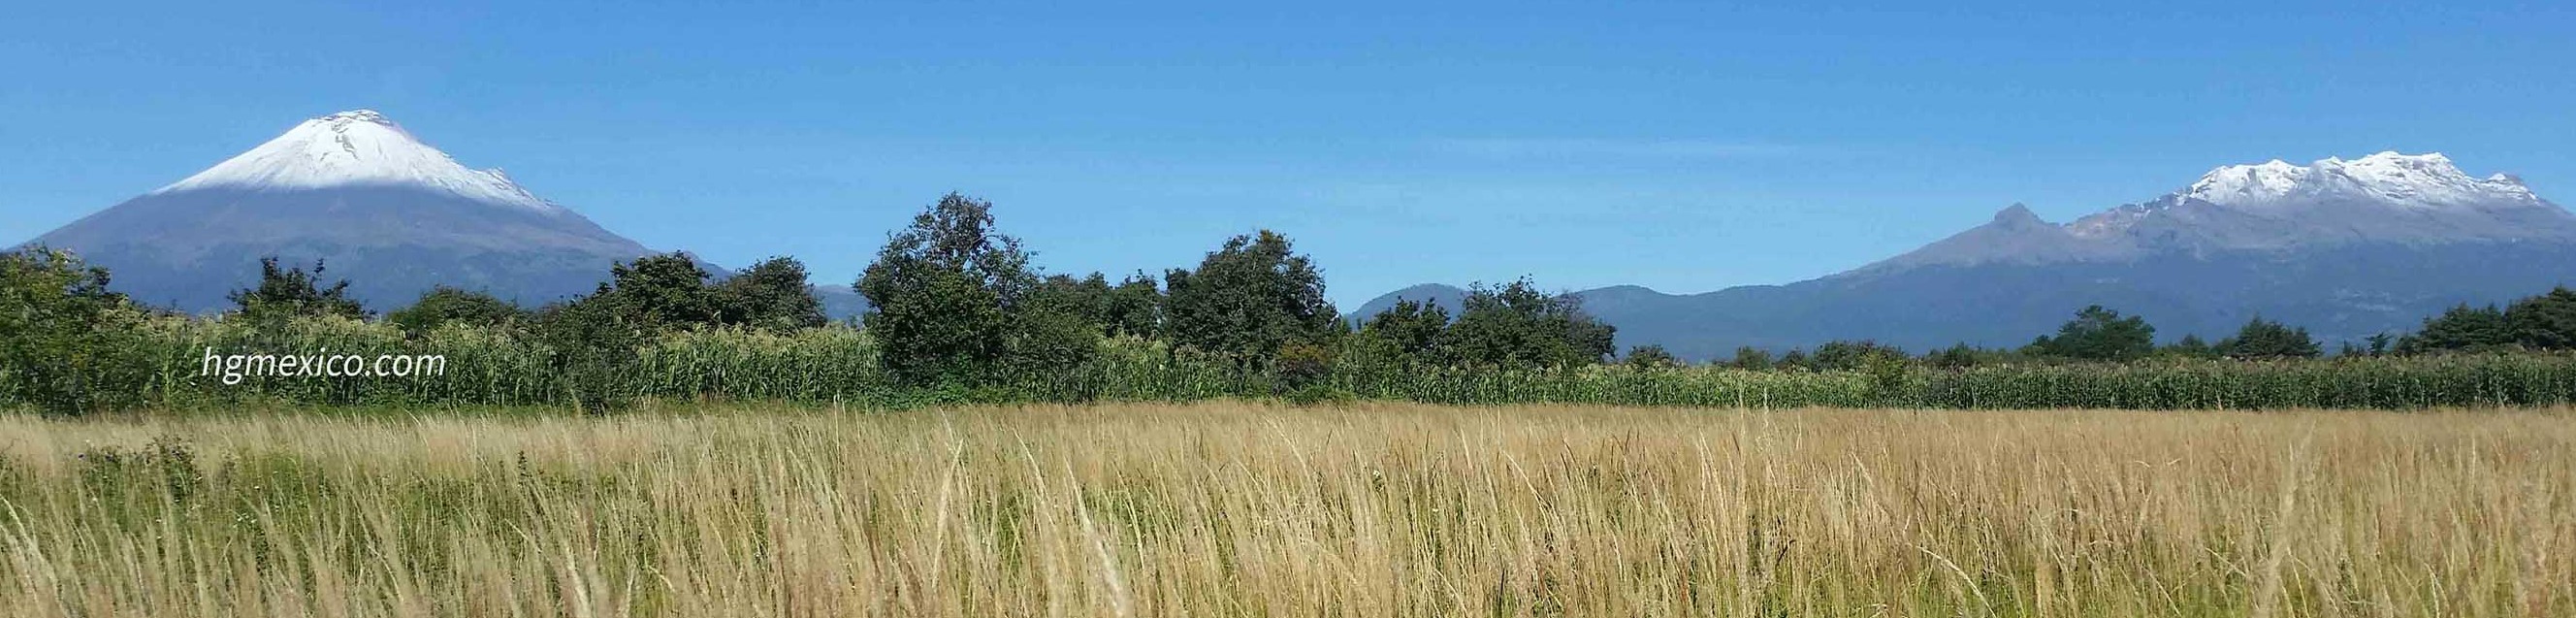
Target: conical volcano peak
x=388, y=212
x=357, y=148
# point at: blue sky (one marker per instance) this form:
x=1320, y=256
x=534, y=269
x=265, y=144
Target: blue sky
x=1682, y=146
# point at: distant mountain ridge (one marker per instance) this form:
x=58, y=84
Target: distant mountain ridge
x=2347, y=248
x=358, y=192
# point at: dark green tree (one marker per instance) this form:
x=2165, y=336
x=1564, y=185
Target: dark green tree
x=62, y=334
x=1410, y=330
x=2544, y=322
x=1517, y=326
x=1087, y=297
x=1247, y=299
x=1753, y=358
x=772, y=295
x=2461, y=328
x=2192, y=346
x=593, y=343
x=2099, y=334
x=665, y=291
x=443, y=305
x=952, y=299
x=2266, y=339
x=1134, y=307
x=1958, y=356
x=1850, y=355
x=1650, y=356
x=293, y=292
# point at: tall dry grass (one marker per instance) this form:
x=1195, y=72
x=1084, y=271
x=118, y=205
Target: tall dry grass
x=1241, y=509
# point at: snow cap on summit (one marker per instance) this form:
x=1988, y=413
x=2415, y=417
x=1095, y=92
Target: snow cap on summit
x=358, y=147
x=2423, y=181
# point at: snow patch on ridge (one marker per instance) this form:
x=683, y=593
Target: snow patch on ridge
x=358, y=148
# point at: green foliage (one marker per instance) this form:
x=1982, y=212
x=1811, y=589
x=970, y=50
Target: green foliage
x=2266, y=339
x=63, y=336
x=1515, y=326
x=657, y=292
x=591, y=343
x=1751, y=358
x=2099, y=334
x=1888, y=376
x=2544, y=322
x=1409, y=331
x=2460, y=329
x=444, y=305
x=2192, y=346
x=1650, y=356
x=1248, y=300
x=1850, y=355
x=1300, y=363
x=1963, y=356
x=293, y=292
x=771, y=295
x=953, y=300
x=1134, y=308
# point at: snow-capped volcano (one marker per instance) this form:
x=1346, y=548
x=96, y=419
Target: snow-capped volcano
x=2347, y=248
x=2413, y=181
x=376, y=204
x=357, y=148
x=2385, y=198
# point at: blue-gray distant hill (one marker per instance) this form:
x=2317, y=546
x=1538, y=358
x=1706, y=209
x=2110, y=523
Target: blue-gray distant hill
x=2345, y=248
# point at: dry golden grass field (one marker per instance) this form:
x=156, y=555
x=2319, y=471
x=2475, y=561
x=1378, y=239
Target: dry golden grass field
x=1227, y=509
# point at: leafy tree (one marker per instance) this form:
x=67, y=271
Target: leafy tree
x=1956, y=356
x=1795, y=359
x=2099, y=334
x=1651, y=356
x=2192, y=346
x=664, y=291
x=2379, y=344
x=1087, y=297
x=1049, y=330
x=2544, y=322
x=1749, y=357
x=2266, y=339
x=442, y=305
x=1134, y=307
x=593, y=342
x=1850, y=355
x=1517, y=326
x=2461, y=328
x=952, y=299
x=771, y=295
x=1302, y=363
x=294, y=292
x=61, y=333
x=1410, y=329
x=1248, y=299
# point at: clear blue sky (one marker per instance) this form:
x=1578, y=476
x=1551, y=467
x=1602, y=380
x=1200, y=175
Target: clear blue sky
x=1684, y=146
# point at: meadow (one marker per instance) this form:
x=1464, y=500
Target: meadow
x=1228, y=507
